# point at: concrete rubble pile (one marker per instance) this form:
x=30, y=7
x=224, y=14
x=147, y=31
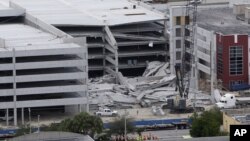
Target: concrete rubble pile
x=152, y=89
x=157, y=68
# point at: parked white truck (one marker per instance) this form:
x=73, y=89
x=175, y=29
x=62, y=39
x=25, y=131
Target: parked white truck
x=106, y=112
x=230, y=101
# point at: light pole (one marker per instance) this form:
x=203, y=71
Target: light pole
x=29, y=120
x=38, y=120
x=125, y=129
x=125, y=124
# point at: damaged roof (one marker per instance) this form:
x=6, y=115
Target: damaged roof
x=88, y=12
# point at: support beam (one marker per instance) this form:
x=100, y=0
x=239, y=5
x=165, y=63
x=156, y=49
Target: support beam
x=131, y=43
x=87, y=105
x=111, y=60
x=116, y=62
x=22, y=116
x=109, y=37
x=14, y=86
x=104, y=60
x=138, y=37
x=80, y=108
x=7, y=117
x=31, y=20
x=2, y=43
x=110, y=71
x=110, y=48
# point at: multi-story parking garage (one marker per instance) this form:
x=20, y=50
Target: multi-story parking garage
x=121, y=35
x=45, y=46
x=38, y=69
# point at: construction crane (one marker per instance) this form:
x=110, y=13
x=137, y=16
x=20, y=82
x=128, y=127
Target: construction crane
x=184, y=70
x=189, y=38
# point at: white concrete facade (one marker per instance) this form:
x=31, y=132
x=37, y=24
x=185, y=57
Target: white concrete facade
x=39, y=69
x=204, y=46
x=175, y=11
x=205, y=55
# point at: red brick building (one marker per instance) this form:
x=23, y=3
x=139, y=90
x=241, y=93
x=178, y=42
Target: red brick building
x=232, y=60
x=223, y=47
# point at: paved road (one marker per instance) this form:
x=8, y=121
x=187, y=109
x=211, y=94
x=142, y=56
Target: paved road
x=169, y=135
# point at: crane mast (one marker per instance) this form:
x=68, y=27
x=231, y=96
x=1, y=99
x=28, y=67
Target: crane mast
x=184, y=71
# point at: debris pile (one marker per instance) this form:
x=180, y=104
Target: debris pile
x=157, y=68
x=152, y=89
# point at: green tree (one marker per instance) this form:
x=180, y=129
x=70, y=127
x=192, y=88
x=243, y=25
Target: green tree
x=65, y=125
x=23, y=130
x=118, y=126
x=206, y=124
x=82, y=123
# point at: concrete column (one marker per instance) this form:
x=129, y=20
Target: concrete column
x=87, y=105
x=80, y=108
x=14, y=86
x=213, y=63
x=172, y=47
x=196, y=59
x=22, y=116
x=166, y=37
x=116, y=61
x=104, y=60
x=194, y=70
x=7, y=117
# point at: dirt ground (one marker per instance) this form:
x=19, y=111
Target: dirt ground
x=136, y=113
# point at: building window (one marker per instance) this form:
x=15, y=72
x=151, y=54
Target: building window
x=220, y=62
x=178, y=32
x=178, y=55
x=232, y=83
x=236, y=60
x=187, y=20
x=178, y=43
x=178, y=20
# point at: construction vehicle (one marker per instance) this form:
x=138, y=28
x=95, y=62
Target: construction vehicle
x=183, y=70
x=179, y=103
x=230, y=101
